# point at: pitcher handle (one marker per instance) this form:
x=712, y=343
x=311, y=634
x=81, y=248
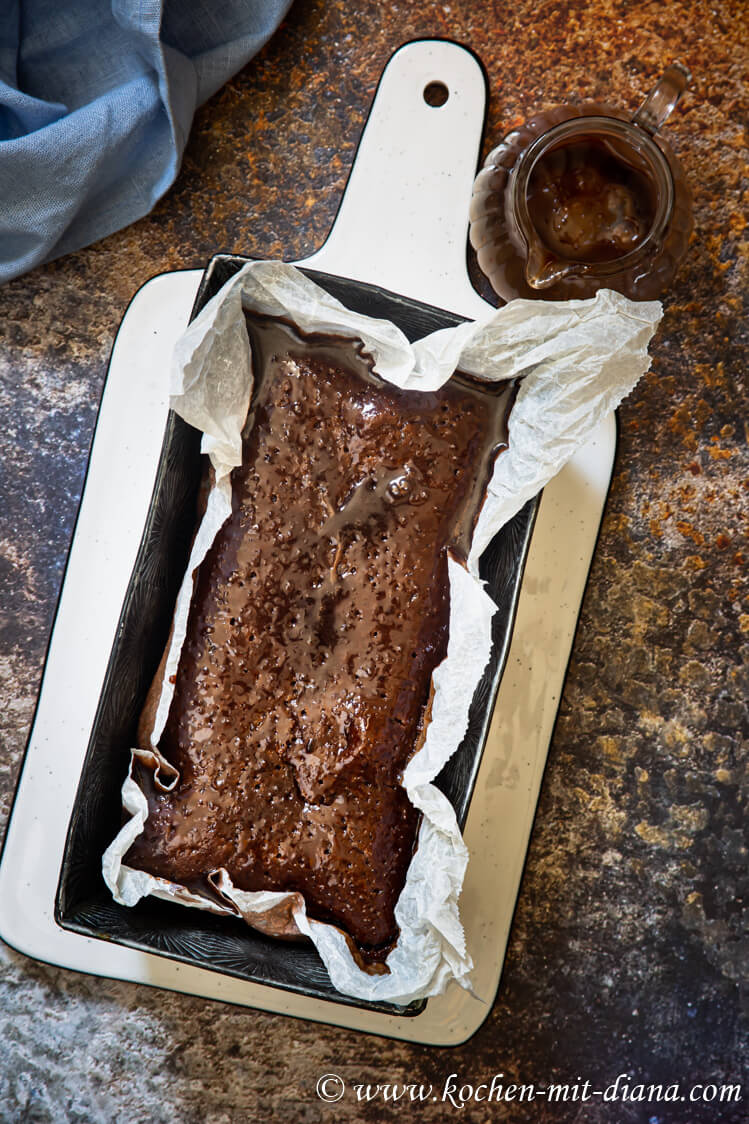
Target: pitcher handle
x=663, y=98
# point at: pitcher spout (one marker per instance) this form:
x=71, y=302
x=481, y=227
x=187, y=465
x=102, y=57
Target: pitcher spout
x=544, y=269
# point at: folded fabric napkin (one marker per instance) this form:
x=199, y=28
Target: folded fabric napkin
x=96, y=102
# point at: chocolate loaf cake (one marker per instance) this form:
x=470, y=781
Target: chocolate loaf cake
x=317, y=619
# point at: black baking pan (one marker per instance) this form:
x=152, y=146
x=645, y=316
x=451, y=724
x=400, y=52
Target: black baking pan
x=223, y=944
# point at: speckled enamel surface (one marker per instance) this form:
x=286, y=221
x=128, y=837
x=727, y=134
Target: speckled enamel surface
x=630, y=947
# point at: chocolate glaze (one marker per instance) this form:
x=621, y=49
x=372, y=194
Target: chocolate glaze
x=318, y=617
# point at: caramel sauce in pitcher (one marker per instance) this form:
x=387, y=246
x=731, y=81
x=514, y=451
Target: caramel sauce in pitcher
x=581, y=198
x=589, y=202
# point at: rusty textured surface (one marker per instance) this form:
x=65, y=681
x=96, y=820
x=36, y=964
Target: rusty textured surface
x=629, y=951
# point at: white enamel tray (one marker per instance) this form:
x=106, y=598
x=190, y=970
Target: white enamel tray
x=402, y=224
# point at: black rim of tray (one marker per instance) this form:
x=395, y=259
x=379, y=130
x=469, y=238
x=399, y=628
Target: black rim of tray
x=204, y=940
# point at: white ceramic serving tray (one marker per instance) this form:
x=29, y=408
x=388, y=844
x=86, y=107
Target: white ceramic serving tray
x=402, y=225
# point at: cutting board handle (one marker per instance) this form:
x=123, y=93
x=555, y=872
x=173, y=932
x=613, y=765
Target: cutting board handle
x=403, y=219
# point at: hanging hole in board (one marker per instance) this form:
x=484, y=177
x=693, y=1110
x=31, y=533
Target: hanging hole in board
x=436, y=94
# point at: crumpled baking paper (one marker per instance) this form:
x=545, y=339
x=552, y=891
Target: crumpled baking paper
x=576, y=361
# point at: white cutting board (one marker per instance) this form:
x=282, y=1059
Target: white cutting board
x=402, y=224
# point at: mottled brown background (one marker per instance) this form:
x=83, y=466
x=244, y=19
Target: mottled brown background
x=629, y=951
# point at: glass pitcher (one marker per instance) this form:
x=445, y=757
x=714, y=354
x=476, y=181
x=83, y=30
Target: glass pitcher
x=581, y=198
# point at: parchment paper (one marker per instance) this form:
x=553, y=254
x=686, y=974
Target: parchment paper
x=577, y=360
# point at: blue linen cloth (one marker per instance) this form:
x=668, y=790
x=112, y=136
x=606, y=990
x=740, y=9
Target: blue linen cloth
x=96, y=102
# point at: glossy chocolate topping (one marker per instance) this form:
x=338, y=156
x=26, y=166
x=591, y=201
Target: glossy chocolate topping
x=318, y=617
